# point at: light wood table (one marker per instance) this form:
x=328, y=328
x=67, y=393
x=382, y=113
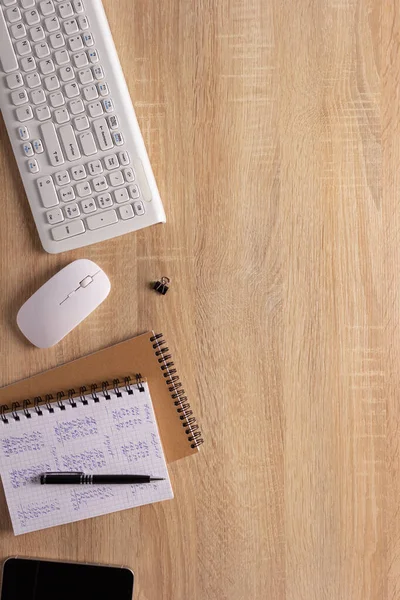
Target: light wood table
x=274, y=134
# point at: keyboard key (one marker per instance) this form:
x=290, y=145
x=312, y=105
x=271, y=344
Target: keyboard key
x=108, y=105
x=62, y=232
x=62, y=178
x=88, y=206
x=62, y=57
x=88, y=39
x=103, y=134
x=37, y=34
x=71, y=90
x=88, y=144
x=38, y=146
x=56, y=99
x=69, y=142
x=83, y=23
x=104, y=201
x=19, y=97
x=55, y=216
x=23, y=133
x=42, y=50
x=38, y=96
x=9, y=2
x=33, y=80
x=71, y=27
x=65, y=10
x=61, y=115
x=76, y=107
x=102, y=220
x=47, y=192
x=27, y=3
x=52, y=144
x=24, y=113
x=126, y=212
x=67, y=194
x=95, y=167
x=33, y=166
x=113, y=122
x=103, y=89
x=95, y=109
x=85, y=76
x=121, y=195
x=78, y=172
x=28, y=63
x=23, y=47
x=28, y=149
x=90, y=93
x=83, y=189
x=80, y=60
x=75, y=43
x=98, y=72
x=81, y=123
x=32, y=17
x=129, y=175
x=18, y=31
x=93, y=56
x=116, y=178
x=100, y=184
x=52, y=83
x=139, y=208
x=78, y=6
x=52, y=24
x=134, y=192
x=57, y=40
x=111, y=162
x=47, y=66
x=67, y=73
x=118, y=138
x=47, y=7
x=43, y=113
x=13, y=14
x=72, y=211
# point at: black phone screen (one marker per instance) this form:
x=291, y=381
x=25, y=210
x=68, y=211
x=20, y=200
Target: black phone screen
x=26, y=579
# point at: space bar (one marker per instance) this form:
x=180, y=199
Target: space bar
x=7, y=54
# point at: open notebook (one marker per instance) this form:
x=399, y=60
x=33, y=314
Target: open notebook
x=110, y=432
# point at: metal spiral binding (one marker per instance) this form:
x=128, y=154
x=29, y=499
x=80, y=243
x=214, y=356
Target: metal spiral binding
x=25, y=409
x=176, y=390
x=3, y=410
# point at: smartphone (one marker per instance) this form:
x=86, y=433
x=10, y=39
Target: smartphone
x=32, y=579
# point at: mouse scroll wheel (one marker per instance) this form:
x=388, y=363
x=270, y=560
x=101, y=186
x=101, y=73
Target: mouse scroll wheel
x=87, y=281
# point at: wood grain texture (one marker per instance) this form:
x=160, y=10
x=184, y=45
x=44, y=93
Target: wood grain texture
x=274, y=134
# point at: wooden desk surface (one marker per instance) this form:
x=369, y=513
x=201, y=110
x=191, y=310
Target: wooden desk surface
x=273, y=130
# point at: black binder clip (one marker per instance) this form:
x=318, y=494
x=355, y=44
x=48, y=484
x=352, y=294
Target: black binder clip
x=162, y=286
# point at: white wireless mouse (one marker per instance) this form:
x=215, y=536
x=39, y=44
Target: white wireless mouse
x=63, y=302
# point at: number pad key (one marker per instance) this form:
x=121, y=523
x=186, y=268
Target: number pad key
x=88, y=206
x=102, y=219
x=134, y=192
x=78, y=172
x=62, y=178
x=126, y=212
x=100, y=184
x=95, y=168
x=47, y=192
x=83, y=189
x=124, y=158
x=139, y=208
x=55, y=216
x=121, y=195
x=104, y=201
x=129, y=175
x=67, y=194
x=72, y=211
x=116, y=179
x=111, y=162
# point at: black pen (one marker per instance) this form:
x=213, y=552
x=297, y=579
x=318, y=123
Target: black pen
x=80, y=478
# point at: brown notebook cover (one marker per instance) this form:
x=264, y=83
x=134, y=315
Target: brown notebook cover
x=143, y=354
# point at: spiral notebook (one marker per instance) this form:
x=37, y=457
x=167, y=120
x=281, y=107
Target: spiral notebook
x=113, y=431
x=147, y=354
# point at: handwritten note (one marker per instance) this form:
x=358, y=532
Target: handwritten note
x=119, y=435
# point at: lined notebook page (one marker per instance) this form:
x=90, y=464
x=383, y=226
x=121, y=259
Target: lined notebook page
x=119, y=435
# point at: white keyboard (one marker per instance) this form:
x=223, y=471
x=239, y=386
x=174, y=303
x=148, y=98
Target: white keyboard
x=71, y=123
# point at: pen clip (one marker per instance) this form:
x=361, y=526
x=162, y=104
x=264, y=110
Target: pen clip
x=64, y=473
